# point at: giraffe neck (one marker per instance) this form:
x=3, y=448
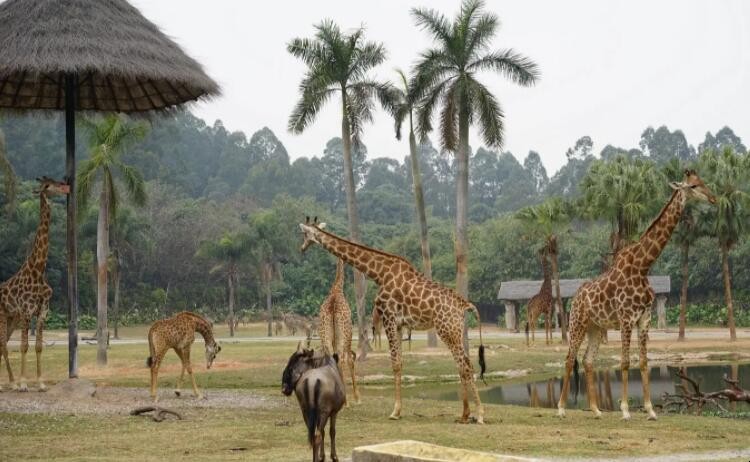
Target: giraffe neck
x=376, y=265
x=37, y=259
x=655, y=238
x=338, y=282
x=204, y=328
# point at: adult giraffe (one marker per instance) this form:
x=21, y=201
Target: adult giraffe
x=406, y=298
x=622, y=297
x=26, y=294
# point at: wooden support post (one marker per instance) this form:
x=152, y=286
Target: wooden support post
x=511, y=321
x=661, y=312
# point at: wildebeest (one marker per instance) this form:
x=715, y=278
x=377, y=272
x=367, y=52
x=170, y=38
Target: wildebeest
x=320, y=391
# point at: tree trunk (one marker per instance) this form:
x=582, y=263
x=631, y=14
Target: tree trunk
x=266, y=273
x=684, y=291
x=230, y=281
x=102, y=253
x=563, y=319
x=728, y=291
x=462, y=204
x=269, y=304
x=360, y=284
x=116, y=304
x=421, y=217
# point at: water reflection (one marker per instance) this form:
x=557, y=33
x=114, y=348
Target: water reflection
x=545, y=393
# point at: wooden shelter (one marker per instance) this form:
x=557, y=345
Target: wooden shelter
x=512, y=293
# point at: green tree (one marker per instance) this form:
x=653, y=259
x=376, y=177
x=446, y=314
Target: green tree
x=129, y=232
x=623, y=191
x=339, y=63
x=727, y=176
x=108, y=138
x=547, y=221
x=10, y=182
x=229, y=253
x=447, y=75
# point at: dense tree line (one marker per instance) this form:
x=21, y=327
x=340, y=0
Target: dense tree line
x=205, y=184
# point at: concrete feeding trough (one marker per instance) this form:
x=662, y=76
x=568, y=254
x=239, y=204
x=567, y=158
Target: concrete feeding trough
x=417, y=451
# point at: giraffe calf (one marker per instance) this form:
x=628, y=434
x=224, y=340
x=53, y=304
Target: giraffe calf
x=178, y=333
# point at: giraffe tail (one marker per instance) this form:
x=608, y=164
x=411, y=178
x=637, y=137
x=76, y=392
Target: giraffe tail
x=150, y=359
x=482, y=362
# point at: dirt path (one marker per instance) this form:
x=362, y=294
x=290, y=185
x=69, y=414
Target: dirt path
x=86, y=398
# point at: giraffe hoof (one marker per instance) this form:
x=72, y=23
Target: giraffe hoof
x=178, y=393
x=42, y=387
x=561, y=413
x=626, y=417
x=23, y=388
x=651, y=417
x=480, y=420
x=597, y=414
x=394, y=417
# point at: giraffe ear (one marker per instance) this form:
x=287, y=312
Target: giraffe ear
x=322, y=225
x=299, y=347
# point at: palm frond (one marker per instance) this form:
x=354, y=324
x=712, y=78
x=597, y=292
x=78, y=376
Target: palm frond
x=315, y=93
x=134, y=184
x=365, y=58
x=433, y=22
x=481, y=33
x=449, y=117
x=516, y=67
x=427, y=106
x=489, y=111
x=85, y=179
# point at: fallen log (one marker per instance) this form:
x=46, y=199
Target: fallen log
x=696, y=399
x=159, y=413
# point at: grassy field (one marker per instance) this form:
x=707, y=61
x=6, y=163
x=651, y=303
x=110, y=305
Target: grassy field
x=273, y=429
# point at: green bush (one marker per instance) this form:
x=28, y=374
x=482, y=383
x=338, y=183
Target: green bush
x=709, y=314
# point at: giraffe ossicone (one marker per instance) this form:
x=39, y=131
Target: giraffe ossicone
x=622, y=297
x=406, y=298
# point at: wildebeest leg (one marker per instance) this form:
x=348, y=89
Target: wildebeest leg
x=332, y=432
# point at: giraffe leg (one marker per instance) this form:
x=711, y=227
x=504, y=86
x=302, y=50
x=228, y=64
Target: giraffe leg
x=576, y=331
x=177, y=390
x=155, y=375
x=39, y=345
x=547, y=329
x=393, y=333
x=643, y=325
x=189, y=367
x=24, y=350
x=592, y=349
x=625, y=330
x=353, y=371
x=4, y=335
x=452, y=336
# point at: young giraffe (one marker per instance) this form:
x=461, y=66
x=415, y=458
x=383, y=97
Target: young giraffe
x=336, y=328
x=406, y=298
x=541, y=304
x=178, y=332
x=26, y=294
x=622, y=297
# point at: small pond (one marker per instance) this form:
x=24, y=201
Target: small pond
x=545, y=393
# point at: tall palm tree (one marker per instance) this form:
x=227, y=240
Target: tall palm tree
x=548, y=221
x=447, y=75
x=339, y=63
x=108, y=138
x=228, y=253
x=728, y=179
x=10, y=181
x=404, y=110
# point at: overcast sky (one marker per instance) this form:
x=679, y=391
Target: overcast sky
x=609, y=68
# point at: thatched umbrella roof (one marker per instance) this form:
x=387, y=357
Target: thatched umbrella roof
x=123, y=62
x=90, y=55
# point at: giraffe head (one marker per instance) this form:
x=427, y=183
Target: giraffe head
x=693, y=187
x=49, y=187
x=212, y=349
x=310, y=232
